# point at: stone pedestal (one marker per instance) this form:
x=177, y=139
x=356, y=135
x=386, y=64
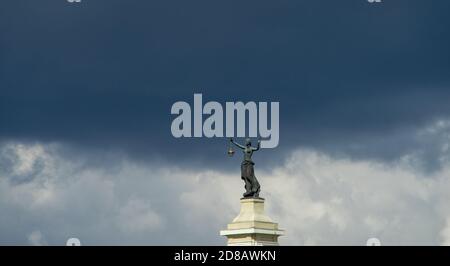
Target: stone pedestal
x=252, y=227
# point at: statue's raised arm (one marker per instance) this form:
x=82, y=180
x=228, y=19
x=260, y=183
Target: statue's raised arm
x=237, y=144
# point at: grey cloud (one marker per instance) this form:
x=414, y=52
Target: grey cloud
x=320, y=199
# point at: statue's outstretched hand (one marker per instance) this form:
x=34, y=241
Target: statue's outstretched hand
x=259, y=145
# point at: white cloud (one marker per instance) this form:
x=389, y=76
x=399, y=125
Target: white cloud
x=137, y=217
x=445, y=233
x=337, y=201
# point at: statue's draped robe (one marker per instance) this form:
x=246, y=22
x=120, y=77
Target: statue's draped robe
x=248, y=175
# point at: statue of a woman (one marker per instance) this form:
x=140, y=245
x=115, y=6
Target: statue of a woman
x=252, y=186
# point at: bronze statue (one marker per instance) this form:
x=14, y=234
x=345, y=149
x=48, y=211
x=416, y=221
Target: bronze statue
x=252, y=186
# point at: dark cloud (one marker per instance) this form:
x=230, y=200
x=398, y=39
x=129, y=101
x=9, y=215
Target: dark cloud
x=104, y=74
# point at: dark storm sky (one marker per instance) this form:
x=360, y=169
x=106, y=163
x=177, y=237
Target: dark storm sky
x=351, y=77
